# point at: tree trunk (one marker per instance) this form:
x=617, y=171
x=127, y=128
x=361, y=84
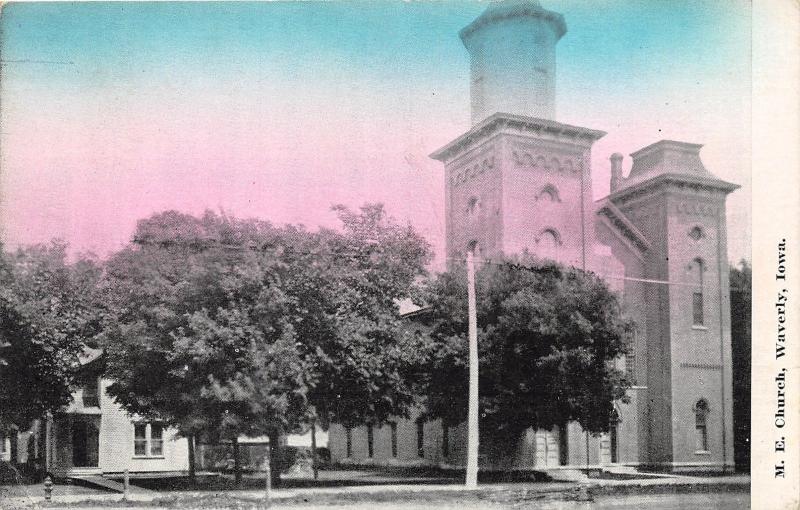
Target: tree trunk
x=314, y=466
x=237, y=468
x=192, y=477
x=275, y=453
x=14, y=447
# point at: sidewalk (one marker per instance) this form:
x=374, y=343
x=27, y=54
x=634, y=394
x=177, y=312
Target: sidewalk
x=649, y=485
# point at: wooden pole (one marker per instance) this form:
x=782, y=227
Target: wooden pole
x=471, y=481
x=237, y=468
x=268, y=476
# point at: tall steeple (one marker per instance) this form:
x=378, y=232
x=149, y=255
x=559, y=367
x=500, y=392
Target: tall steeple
x=512, y=48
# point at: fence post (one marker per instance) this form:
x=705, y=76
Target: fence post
x=126, y=484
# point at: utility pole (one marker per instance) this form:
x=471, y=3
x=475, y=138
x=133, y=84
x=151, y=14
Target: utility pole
x=472, y=420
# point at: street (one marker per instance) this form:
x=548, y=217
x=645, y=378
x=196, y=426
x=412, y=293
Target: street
x=727, y=501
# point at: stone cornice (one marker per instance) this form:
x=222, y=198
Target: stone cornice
x=618, y=219
x=515, y=9
x=503, y=121
x=671, y=179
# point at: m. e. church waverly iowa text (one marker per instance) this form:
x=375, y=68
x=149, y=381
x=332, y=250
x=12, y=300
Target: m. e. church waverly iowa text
x=780, y=352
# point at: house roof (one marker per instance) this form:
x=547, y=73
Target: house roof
x=618, y=219
x=89, y=355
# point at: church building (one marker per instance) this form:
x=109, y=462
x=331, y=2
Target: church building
x=520, y=180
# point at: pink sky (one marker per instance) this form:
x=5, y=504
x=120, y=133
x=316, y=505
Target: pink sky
x=130, y=126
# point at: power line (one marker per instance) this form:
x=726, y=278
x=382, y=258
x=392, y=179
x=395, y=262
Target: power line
x=369, y=253
x=512, y=265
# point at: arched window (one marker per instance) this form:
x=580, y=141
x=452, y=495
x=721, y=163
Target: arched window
x=630, y=355
x=697, y=269
x=475, y=248
x=549, y=193
x=473, y=206
x=547, y=244
x=700, y=425
x=696, y=233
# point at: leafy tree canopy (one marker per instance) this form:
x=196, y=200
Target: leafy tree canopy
x=548, y=337
x=223, y=326
x=48, y=315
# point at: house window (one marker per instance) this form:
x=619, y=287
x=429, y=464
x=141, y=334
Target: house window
x=156, y=440
x=445, y=440
x=140, y=439
x=700, y=425
x=420, y=438
x=349, y=433
x=370, y=441
x=394, y=439
x=90, y=393
x=148, y=440
x=697, y=295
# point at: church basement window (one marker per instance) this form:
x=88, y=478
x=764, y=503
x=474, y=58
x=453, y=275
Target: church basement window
x=370, y=441
x=394, y=438
x=420, y=438
x=701, y=428
x=445, y=440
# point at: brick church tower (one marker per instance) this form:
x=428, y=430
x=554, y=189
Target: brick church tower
x=518, y=181
x=680, y=206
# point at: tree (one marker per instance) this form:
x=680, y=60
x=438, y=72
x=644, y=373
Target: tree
x=366, y=363
x=741, y=332
x=48, y=314
x=198, y=336
x=224, y=327
x=548, y=338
